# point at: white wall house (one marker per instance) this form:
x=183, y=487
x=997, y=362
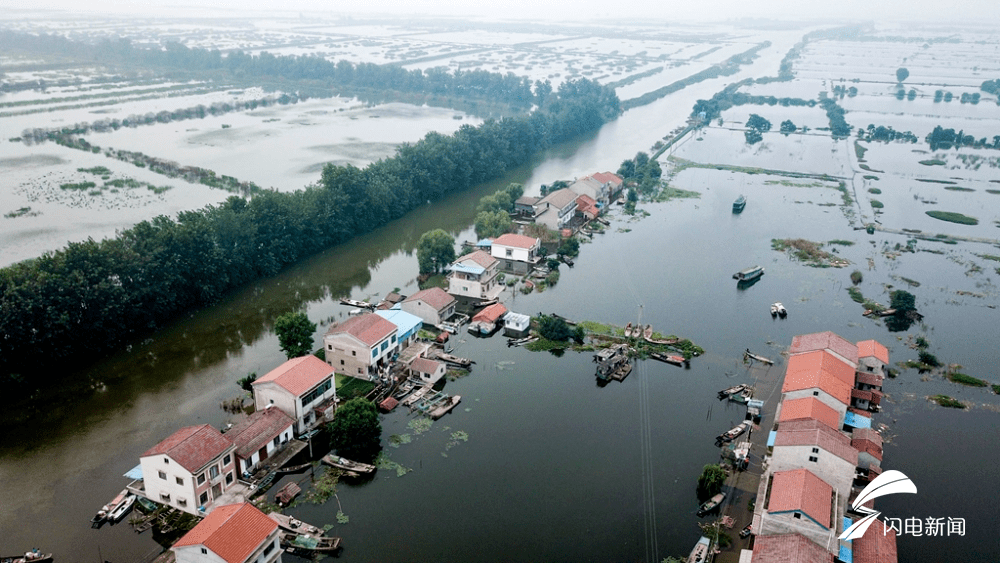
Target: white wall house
x=362, y=346
x=556, y=209
x=797, y=502
x=825, y=452
x=432, y=305
x=474, y=275
x=297, y=387
x=189, y=469
x=259, y=435
x=517, y=253
x=429, y=371
x=237, y=533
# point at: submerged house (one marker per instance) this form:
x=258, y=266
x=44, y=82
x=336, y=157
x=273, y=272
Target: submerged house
x=474, y=275
x=237, y=533
x=189, y=469
x=428, y=371
x=517, y=254
x=556, y=209
x=301, y=388
x=433, y=305
x=258, y=436
x=516, y=324
x=361, y=346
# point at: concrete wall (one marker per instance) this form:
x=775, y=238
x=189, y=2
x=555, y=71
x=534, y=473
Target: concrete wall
x=348, y=355
x=193, y=553
x=823, y=397
x=254, y=459
x=836, y=471
x=270, y=393
x=786, y=523
x=184, y=495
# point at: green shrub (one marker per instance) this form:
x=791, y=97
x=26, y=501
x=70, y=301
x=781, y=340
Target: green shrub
x=967, y=380
x=953, y=217
x=946, y=401
x=857, y=277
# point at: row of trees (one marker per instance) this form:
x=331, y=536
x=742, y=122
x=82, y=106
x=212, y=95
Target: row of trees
x=92, y=297
x=941, y=138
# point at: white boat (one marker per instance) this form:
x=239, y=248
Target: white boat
x=778, y=310
x=119, y=507
x=700, y=552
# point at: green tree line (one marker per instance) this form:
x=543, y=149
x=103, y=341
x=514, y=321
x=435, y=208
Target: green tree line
x=93, y=297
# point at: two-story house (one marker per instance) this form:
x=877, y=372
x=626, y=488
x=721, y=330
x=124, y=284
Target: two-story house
x=237, y=533
x=556, y=209
x=189, y=469
x=407, y=325
x=361, y=346
x=517, y=254
x=300, y=387
x=475, y=276
x=433, y=305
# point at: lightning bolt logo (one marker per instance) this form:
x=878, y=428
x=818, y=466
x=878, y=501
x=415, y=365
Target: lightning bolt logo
x=888, y=483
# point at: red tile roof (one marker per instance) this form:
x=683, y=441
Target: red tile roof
x=824, y=340
x=867, y=348
x=299, y=375
x=821, y=436
x=869, y=378
x=423, y=365
x=586, y=204
x=867, y=446
x=862, y=395
x=801, y=490
x=254, y=432
x=370, y=328
x=867, y=434
x=232, y=532
x=809, y=407
x=607, y=177
x=819, y=370
x=517, y=241
x=878, y=545
x=490, y=314
x=484, y=259
x=193, y=447
x=788, y=548
x=860, y=412
x=433, y=296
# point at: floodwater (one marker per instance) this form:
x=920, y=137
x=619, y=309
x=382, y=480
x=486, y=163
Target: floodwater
x=553, y=465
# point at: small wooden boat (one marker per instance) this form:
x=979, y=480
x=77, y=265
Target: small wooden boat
x=647, y=333
x=751, y=356
x=290, y=524
x=749, y=274
x=287, y=494
x=711, y=504
x=348, y=465
x=461, y=362
x=743, y=396
x=732, y=433
x=416, y=396
x=700, y=552
x=294, y=468
x=739, y=204
x=521, y=341
x=33, y=556
x=668, y=358
x=628, y=330
x=303, y=545
x=356, y=303
x=564, y=319
x=446, y=407
x=732, y=390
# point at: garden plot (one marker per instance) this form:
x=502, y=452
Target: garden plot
x=809, y=153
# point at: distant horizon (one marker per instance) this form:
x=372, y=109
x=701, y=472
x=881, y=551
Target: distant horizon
x=975, y=12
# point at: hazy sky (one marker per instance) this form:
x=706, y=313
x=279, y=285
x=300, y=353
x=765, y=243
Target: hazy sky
x=887, y=11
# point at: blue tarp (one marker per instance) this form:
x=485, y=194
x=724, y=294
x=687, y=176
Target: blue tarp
x=485, y=243
x=134, y=473
x=477, y=270
x=857, y=421
x=845, y=555
x=770, y=438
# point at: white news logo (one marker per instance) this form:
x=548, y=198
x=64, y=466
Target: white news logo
x=888, y=483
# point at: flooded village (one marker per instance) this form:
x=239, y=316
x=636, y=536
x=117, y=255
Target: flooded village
x=699, y=337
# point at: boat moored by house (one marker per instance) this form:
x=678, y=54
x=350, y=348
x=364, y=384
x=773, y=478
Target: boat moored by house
x=700, y=552
x=352, y=468
x=749, y=274
x=114, y=510
x=732, y=433
x=711, y=504
x=33, y=556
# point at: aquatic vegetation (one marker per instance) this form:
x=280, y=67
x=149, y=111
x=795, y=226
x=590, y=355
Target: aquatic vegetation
x=857, y=277
x=342, y=518
x=946, y=401
x=808, y=252
x=874, y=191
x=964, y=379
x=933, y=162
x=420, y=425
x=397, y=440
x=959, y=189
x=876, y=204
x=22, y=212
x=856, y=295
x=324, y=488
x=383, y=462
x=953, y=217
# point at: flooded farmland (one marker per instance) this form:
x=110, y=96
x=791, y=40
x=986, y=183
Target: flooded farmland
x=539, y=462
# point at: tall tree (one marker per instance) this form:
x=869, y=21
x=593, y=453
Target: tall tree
x=435, y=250
x=295, y=334
x=902, y=74
x=356, y=427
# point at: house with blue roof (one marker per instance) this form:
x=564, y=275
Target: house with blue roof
x=407, y=325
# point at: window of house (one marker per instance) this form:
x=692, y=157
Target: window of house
x=384, y=346
x=165, y=497
x=166, y=460
x=815, y=393
x=204, y=551
x=393, y=338
x=276, y=438
x=213, y=472
x=813, y=458
x=269, y=548
x=797, y=515
x=201, y=478
x=162, y=475
x=182, y=502
x=374, y=352
x=815, y=450
x=179, y=481
x=329, y=347
x=360, y=372
x=203, y=498
x=229, y=478
x=510, y=252
x=342, y=362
